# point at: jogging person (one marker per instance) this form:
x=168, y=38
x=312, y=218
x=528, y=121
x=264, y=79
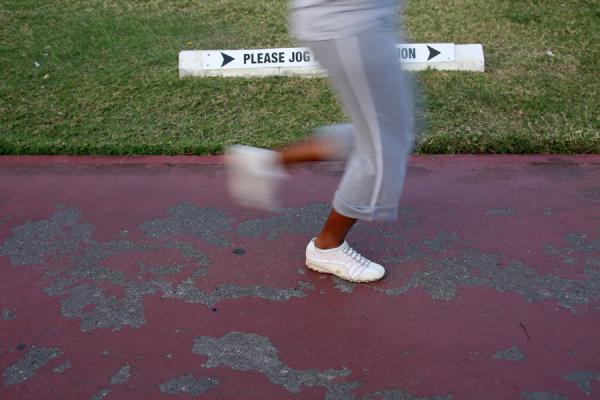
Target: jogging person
x=355, y=42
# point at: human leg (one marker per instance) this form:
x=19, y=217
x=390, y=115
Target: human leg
x=366, y=76
x=332, y=142
x=364, y=71
x=369, y=83
x=254, y=173
x=334, y=231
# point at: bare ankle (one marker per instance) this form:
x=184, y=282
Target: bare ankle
x=327, y=243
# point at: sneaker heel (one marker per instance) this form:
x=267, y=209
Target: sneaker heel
x=314, y=267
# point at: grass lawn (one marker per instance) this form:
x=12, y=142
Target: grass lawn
x=100, y=77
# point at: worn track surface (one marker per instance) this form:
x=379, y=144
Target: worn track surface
x=137, y=278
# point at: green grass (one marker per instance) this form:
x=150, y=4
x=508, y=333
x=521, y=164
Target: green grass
x=107, y=80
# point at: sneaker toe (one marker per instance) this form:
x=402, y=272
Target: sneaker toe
x=378, y=268
x=373, y=272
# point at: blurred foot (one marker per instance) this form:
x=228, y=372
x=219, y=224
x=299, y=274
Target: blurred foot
x=254, y=176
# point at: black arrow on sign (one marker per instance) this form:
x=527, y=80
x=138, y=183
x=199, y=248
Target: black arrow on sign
x=226, y=59
x=432, y=52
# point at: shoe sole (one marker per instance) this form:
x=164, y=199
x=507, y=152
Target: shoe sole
x=316, y=268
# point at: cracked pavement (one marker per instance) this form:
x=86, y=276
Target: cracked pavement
x=138, y=278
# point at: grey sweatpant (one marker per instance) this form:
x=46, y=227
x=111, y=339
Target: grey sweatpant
x=365, y=73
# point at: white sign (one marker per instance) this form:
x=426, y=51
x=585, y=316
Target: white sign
x=425, y=53
x=301, y=61
x=258, y=58
x=303, y=57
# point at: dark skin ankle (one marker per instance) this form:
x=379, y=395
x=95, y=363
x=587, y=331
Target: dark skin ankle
x=314, y=149
x=337, y=226
x=334, y=231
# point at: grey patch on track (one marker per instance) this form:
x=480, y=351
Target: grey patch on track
x=308, y=219
x=188, y=251
x=542, y=396
x=206, y=224
x=98, y=273
x=8, y=315
x=67, y=239
x=27, y=366
x=101, y=395
x=343, y=285
x=163, y=270
x=591, y=193
x=109, y=312
x=583, y=379
x=250, y=352
x=500, y=211
x=387, y=234
x=62, y=234
x=190, y=293
x=199, y=273
x=511, y=354
x=580, y=247
x=411, y=252
x=592, y=270
x=58, y=286
x=550, y=249
x=88, y=265
x=443, y=241
x=443, y=276
x=549, y=212
x=121, y=376
x=342, y=391
x=400, y=395
x=188, y=385
x=62, y=368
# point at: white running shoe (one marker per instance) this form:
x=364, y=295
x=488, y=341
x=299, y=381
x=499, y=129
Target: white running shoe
x=254, y=176
x=343, y=261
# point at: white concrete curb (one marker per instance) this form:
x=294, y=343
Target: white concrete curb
x=467, y=57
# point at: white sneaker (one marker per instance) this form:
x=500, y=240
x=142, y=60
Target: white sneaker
x=344, y=262
x=254, y=175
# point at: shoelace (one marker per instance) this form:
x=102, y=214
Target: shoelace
x=361, y=261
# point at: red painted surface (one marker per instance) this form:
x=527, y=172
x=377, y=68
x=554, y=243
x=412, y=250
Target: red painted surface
x=510, y=207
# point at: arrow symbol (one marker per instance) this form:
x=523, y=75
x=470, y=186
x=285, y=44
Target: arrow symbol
x=432, y=52
x=226, y=59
